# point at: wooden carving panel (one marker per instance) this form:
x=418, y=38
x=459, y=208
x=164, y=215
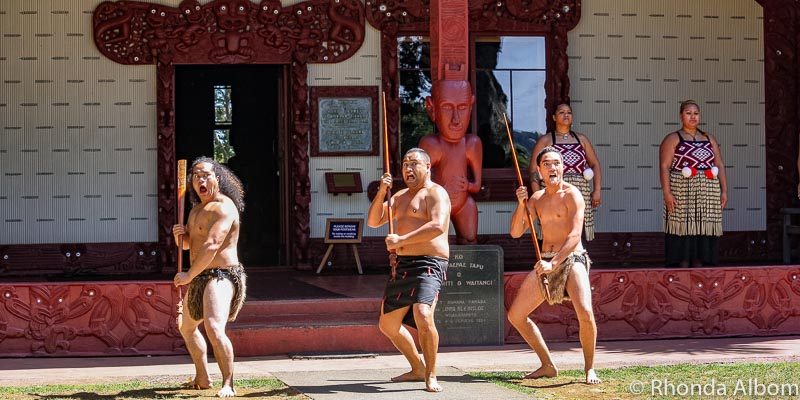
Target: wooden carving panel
x=782, y=91
x=89, y=319
x=228, y=31
x=670, y=303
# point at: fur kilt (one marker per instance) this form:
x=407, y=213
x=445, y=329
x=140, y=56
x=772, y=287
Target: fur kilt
x=557, y=278
x=197, y=288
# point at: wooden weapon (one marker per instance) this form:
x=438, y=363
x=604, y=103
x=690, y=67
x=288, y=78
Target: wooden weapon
x=386, y=168
x=527, y=211
x=181, y=204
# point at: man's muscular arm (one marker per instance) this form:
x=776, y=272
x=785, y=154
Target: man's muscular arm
x=519, y=220
x=439, y=202
x=575, y=209
x=378, y=214
x=222, y=217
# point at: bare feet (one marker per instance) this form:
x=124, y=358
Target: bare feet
x=545, y=371
x=591, y=377
x=432, y=385
x=226, y=391
x=197, y=384
x=410, y=376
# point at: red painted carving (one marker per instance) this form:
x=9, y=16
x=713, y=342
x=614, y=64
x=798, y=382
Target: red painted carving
x=782, y=89
x=229, y=32
x=88, y=319
x=664, y=303
x=301, y=182
x=456, y=158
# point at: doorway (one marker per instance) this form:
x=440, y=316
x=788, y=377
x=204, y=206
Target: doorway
x=233, y=114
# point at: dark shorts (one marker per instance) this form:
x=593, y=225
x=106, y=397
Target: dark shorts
x=418, y=280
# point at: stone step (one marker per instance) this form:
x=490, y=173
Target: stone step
x=269, y=328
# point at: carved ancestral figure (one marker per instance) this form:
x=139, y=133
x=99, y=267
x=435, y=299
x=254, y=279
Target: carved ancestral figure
x=233, y=40
x=456, y=158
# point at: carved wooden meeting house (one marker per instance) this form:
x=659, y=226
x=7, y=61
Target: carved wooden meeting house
x=100, y=99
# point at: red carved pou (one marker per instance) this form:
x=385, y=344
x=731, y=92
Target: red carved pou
x=456, y=158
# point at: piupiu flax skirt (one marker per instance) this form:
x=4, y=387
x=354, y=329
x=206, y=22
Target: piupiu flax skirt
x=694, y=227
x=586, y=190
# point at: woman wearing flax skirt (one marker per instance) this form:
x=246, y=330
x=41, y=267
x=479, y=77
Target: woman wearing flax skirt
x=695, y=192
x=580, y=163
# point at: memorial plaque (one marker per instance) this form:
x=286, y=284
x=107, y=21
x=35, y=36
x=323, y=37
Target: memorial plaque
x=471, y=310
x=344, y=120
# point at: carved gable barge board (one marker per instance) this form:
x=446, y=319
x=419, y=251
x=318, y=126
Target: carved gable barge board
x=219, y=32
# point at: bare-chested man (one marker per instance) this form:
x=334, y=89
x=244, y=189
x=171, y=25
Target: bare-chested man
x=559, y=207
x=216, y=279
x=422, y=212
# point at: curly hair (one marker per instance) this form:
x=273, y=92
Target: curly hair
x=229, y=183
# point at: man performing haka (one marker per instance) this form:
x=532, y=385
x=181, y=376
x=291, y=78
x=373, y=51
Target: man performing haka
x=559, y=207
x=216, y=279
x=423, y=219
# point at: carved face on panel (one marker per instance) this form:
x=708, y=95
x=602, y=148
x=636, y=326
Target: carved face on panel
x=232, y=15
x=450, y=108
x=190, y=10
x=268, y=11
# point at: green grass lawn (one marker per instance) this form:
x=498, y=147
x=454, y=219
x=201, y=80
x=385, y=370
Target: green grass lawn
x=778, y=380
x=150, y=388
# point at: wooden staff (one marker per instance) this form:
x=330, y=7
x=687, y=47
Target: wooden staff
x=386, y=167
x=527, y=211
x=181, y=204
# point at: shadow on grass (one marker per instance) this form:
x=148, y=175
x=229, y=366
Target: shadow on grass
x=166, y=392
x=151, y=393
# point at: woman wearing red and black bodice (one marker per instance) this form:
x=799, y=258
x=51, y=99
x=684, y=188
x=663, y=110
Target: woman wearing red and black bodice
x=580, y=163
x=695, y=192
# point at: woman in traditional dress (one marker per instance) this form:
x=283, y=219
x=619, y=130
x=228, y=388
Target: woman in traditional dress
x=580, y=163
x=695, y=192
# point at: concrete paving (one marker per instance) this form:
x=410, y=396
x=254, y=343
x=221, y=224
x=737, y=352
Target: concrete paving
x=334, y=377
x=375, y=384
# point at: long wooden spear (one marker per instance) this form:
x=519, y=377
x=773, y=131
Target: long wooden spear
x=181, y=203
x=387, y=169
x=527, y=211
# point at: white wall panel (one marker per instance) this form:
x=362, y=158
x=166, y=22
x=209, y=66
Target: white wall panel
x=632, y=62
x=78, y=136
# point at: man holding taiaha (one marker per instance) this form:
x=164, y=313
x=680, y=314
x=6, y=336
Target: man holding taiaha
x=559, y=207
x=216, y=279
x=422, y=212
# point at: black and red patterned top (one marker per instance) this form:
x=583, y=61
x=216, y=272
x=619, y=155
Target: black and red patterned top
x=697, y=154
x=573, y=154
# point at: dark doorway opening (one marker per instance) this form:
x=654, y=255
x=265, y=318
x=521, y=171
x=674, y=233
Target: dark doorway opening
x=232, y=112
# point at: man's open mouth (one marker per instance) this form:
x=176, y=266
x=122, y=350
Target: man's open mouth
x=203, y=189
